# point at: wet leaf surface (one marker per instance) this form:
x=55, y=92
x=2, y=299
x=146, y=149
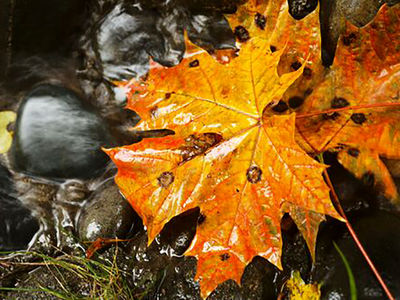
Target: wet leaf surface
x=243, y=169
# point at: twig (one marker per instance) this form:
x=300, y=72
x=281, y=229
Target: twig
x=338, y=206
x=355, y=238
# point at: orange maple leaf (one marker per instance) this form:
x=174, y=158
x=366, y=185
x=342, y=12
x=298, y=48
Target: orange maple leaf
x=230, y=156
x=366, y=76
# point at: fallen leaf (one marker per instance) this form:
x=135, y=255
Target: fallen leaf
x=299, y=290
x=366, y=76
x=231, y=156
x=6, y=117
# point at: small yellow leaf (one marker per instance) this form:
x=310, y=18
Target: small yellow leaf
x=6, y=117
x=302, y=291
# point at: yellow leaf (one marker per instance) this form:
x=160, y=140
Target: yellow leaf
x=6, y=117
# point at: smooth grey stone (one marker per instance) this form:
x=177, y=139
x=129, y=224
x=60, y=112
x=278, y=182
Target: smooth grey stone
x=58, y=136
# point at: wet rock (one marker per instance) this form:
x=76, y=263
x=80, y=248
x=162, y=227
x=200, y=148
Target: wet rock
x=331, y=26
x=107, y=214
x=259, y=280
x=298, y=9
x=130, y=34
x=332, y=16
x=58, y=136
x=177, y=234
x=354, y=194
x=210, y=31
x=55, y=279
x=295, y=253
x=360, y=12
x=228, y=290
x=160, y=276
x=379, y=234
x=17, y=225
x=176, y=281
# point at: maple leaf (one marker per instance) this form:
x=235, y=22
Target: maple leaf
x=230, y=156
x=366, y=74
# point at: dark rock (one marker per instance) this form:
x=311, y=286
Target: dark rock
x=331, y=26
x=17, y=225
x=360, y=12
x=210, y=31
x=228, y=290
x=156, y=276
x=130, y=34
x=379, y=234
x=53, y=278
x=178, y=233
x=58, y=136
x=295, y=253
x=108, y=215
x=298, y=9
x=259, y=280
x=352, y=193
x=120, y=42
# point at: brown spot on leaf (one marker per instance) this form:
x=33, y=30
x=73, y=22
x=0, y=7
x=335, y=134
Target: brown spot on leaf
x=253, y=174
x=339, y=102
x=201, y=219
x=307, y=73
x=308, y=92
x=167, y=95
x=358, y=118
x=353, y=152
x=194, y=63
x=280, y=107
x=296, y=101
x=273, y=48
x=224, y=256
x=349, y=39
x=166, y=179
x=332, y=116
x=197, y=144
x=295, y=65
x=260, y=21
x=241, y=34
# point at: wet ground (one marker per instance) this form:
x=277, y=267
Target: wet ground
x=56, y=185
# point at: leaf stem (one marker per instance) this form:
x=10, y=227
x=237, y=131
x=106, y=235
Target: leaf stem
x=355, y=238
x=329, y=111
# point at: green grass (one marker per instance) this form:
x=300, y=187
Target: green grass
x=103, y=277
x=352, y=282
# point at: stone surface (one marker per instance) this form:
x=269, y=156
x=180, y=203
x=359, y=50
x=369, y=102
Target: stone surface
x=107, y=215
x=129, y=34
x=379, y=233
x=58, y=136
